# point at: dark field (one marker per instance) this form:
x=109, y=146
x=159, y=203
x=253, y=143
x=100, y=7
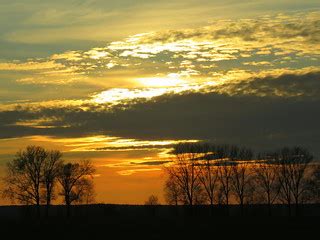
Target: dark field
x=160, y=222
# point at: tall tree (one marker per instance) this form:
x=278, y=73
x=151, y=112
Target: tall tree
x=293, y=163
x=241, y=177
x=208, y=176
x=226, y=154
x=313, y=185
x=24, y=175
x=184, y=171
x=266, y=178
x=86, y=192
x=300, y=159
x=74, y=179
x=51, y=168
x=172, y=191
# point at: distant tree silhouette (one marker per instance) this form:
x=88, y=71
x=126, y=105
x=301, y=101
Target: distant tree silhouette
x=152, y=204
x=152, y=200
x=75, y=180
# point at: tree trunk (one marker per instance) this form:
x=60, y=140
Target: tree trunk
x=38, y=207
x=297, y=213
x=48, y=204
x=269, y=209
x=269, y=205
x=289, y=208
x=241, y=205
x=68, y=203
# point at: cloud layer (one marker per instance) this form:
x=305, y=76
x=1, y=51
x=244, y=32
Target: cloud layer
x=251, y=81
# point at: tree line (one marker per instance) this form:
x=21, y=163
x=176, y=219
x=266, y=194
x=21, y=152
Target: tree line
x=37, y=176
x=203, y=173
x=199, y=173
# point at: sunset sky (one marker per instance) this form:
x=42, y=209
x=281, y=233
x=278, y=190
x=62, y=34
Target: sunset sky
x=120, y=82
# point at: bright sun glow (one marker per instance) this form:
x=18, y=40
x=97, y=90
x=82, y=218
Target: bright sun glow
x=152, y=87
x=117, y=95
x=170, y=81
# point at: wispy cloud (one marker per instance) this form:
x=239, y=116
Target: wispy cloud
x=100, y=142
x=196, y=55
x=133, y=171
x=31, y=65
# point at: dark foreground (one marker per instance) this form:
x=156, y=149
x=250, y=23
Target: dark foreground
x=162, y=222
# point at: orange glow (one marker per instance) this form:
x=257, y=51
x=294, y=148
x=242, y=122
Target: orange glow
x=125, y=173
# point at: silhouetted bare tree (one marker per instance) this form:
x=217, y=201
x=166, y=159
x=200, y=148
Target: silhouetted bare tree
x=203, y=172
x=219, y=196
x=152, y=203
x=152, y=200
x=184, y=171
x=313, y=185
x=75, y=179
x=293, y=163
x=86, y=192
x=266, y=178
x=51, y=168
x=24, y=176
x=172, y=191
x=298, y=165
x=208, y=176
x=241, y=178
x=285, y=195
x=240, y=181
x=226, y=156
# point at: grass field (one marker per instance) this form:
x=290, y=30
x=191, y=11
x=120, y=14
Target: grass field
x=160, y=222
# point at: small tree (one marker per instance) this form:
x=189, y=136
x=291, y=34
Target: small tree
x=152, y=201
x=152, y=204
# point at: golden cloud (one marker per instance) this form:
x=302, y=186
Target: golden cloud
x=30, y=66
